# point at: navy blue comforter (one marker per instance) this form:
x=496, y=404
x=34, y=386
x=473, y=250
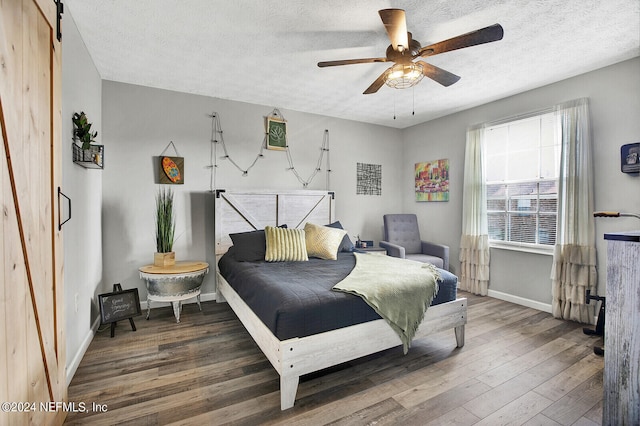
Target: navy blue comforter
x=294, y=299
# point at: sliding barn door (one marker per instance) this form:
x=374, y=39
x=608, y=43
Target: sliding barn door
x=32, y=353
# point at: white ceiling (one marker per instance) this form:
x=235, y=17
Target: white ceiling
x=265, y=52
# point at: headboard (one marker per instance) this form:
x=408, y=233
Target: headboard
x=245, y=210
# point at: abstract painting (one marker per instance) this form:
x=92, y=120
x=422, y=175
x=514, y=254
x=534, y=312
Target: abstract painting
x=369, y=179
x=432, y=180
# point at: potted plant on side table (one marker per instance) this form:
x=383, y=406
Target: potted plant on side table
x=165, y=229
x=168, y=280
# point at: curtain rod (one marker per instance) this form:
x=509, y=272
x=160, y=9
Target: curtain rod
x=519, y=117
x=524, y=115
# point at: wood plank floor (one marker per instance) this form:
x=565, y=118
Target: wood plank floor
x=518, y=366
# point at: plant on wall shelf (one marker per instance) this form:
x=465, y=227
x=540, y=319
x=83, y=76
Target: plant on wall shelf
x=82, y=130
x=165, y=228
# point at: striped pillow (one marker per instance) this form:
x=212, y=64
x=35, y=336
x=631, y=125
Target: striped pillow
x=285, y=245
x=323, y=241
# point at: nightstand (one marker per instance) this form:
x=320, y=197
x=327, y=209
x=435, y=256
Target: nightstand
x=174, y=284
x=374, y=250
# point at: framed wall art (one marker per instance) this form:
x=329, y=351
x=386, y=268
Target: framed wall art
x=171, y=170
x=630, y=158
x=276, y=133
x=432, y=180
x=369, y=179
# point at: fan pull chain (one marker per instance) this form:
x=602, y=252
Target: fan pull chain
x=413, y=93
x=394, y=105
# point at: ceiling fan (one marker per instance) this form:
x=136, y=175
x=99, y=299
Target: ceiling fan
x=404, y=49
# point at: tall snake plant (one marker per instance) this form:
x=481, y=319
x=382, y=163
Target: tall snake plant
x=165, y=221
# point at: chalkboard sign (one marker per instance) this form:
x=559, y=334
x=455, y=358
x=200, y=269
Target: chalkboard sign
x=119, y=305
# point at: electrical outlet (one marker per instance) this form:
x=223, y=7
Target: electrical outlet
x=76, y=302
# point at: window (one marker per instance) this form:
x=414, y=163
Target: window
x=523, y=163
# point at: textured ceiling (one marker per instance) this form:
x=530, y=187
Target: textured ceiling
x=265, y=52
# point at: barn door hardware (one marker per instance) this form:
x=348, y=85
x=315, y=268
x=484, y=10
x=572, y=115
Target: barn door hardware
x=59, y=213
x=59, y=12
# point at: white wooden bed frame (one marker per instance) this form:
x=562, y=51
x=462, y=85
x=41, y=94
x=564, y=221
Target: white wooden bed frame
x=249, y=210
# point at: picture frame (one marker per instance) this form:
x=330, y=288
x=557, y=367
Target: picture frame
x=171, y=170
x=630, y=158
x=368, y=179
x=432, y=180
x=276, y=133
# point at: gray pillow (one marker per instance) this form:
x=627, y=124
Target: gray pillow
x=250, y=246
x=346, y=244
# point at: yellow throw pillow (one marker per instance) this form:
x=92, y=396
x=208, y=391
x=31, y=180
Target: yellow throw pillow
x=323, y=241
x=285, y=244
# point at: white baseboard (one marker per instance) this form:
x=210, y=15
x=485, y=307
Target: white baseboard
x=204, y=297
x=545, y=307
x=75, y=362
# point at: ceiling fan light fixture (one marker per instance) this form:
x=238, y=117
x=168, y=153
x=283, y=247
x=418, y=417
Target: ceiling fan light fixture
x=402, y=76
x=403, y=50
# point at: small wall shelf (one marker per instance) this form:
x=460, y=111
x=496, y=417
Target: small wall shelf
x=92, y=158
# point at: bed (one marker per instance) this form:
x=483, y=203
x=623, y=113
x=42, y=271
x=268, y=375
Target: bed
x=324, y=340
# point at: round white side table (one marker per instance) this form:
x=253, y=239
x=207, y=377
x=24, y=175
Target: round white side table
x=174, y=283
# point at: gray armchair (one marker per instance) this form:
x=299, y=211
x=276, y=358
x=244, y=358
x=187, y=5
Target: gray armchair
x=402, y=239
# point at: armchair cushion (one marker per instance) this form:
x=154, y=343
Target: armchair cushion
x=425, y=258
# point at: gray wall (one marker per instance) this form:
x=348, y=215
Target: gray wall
x=139, y=122
x=81, y=88
x=615, y=108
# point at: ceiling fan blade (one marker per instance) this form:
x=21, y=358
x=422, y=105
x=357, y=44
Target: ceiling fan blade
x=350, y=61
x=438, y=74
x=473, y=38
x=395, y=22
x=376, y=85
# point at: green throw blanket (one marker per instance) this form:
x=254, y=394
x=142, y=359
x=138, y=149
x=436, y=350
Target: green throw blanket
x=399, y=290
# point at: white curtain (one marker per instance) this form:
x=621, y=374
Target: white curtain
x=474, y=242
x=574, y=258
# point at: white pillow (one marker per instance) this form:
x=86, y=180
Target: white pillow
x=323, y=241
